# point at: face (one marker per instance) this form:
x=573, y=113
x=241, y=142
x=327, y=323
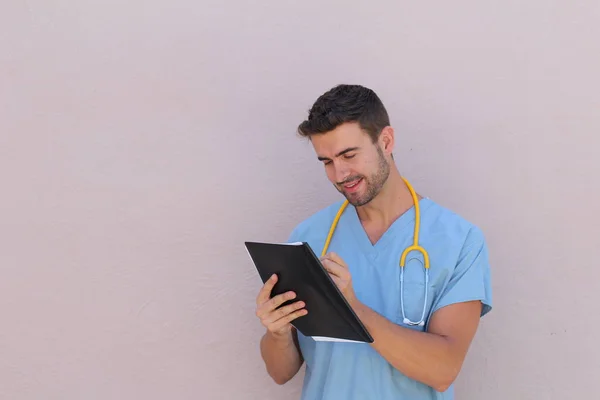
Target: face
x=357, y=167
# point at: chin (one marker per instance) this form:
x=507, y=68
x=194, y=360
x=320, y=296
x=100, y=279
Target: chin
x=357, y=201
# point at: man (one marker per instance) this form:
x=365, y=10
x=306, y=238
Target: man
x=350, y=131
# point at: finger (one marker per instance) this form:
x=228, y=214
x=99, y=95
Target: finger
x=338, y=282
x=283, y=312
x=334, y=258
x=265, y=292
x=337, y=259
x=334, y=268
x=273, y=303
x=280, y=323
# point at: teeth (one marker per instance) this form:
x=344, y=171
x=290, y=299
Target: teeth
x=353, y=184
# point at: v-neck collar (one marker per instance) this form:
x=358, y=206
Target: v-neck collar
x=405, y=220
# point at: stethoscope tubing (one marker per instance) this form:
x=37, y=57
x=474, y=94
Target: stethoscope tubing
x=415, y=247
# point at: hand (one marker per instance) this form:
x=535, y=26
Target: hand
x=277, y=321
x=339, y=272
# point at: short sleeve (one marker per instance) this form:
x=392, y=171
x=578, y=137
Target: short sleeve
x=471, y=277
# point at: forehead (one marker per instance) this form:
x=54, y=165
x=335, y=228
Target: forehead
x=344, y=136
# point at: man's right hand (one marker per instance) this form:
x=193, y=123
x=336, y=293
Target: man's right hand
x=277, y=321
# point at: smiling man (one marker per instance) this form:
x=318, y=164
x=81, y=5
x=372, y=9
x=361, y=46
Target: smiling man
x=422, y=319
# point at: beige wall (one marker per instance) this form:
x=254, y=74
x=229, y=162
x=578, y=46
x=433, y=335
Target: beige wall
x=141, y=142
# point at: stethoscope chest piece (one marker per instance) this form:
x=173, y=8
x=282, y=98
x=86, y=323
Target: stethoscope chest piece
x=425, y=265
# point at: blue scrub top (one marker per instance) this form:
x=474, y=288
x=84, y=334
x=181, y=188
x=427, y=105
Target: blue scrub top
x=459, y=271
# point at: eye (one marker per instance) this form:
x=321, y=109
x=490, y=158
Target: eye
x=348, y=156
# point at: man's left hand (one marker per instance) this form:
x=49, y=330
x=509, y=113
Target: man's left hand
x=339, y=272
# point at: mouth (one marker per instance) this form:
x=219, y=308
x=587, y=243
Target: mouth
x=353, y=185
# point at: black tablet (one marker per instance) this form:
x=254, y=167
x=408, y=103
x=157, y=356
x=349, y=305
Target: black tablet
x=329, y=317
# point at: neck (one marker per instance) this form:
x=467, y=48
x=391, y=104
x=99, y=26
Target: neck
x=393, y=201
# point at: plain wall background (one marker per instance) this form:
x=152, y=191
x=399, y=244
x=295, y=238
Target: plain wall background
x=142, y=142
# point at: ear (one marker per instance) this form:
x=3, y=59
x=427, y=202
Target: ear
x=386, y=140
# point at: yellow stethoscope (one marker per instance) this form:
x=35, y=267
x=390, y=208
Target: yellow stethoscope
x=415, y=247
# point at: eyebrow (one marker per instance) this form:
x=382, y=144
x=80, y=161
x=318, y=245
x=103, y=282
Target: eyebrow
x=341, y=153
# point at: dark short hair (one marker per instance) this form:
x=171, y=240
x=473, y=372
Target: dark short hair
x=342, y=104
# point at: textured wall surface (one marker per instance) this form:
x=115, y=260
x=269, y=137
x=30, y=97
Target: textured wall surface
x=141, y=142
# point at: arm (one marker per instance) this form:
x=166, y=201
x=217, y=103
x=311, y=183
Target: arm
x=279, y=346
x=434, y=357
x=281, y=355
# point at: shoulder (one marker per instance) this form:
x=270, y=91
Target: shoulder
x=446, y=223
x=316, y=224
x=452, y=234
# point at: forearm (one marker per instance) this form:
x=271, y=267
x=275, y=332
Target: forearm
x=433, y=358
x=281, y=356
x=426, y=357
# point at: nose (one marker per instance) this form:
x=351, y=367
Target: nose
x=341, y=172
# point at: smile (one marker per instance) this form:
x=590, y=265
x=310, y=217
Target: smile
x=352, y=185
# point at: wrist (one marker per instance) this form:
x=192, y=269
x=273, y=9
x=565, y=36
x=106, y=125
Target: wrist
x=281, y=340
x=360, y=309
x=354, y=303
